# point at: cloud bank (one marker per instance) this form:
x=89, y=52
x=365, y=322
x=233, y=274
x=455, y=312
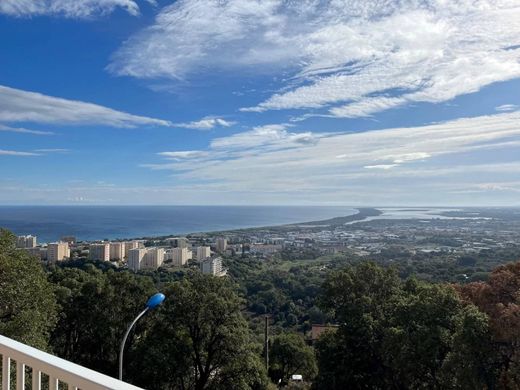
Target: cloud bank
x=67, y=8
x=352, y=58
x=22, y=106
x=391, y=166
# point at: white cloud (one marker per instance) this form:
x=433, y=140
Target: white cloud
x=381, y=166
x=385, y=166
x=22, y=106
x=55, y=150
x=353, y=57
x=507, y=107
x=16, y=153
x=207, y=123
x=68, y=8
x=275, y=135
x=186, y=154
x=23, y=130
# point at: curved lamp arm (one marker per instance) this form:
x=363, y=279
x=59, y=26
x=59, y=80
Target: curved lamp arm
x=152, y=303
x=124, y=341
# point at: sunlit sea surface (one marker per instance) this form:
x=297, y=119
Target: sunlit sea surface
x=49, y=223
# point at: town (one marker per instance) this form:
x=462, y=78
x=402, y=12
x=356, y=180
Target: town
x=437, y=237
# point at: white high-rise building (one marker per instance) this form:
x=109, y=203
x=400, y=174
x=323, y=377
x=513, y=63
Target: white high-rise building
x=130, y=245
x=180, y=256
x=203, y=252
x=153, y=258
x=212, y=266
x=99, y=251
x=117, y=250
x=26, y=241
x=221, y=244
x=58, y=251
x=135, y=258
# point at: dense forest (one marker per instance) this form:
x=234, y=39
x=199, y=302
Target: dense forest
x=392, y=329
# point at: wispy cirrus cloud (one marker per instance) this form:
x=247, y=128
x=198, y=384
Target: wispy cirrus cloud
x=23, y=106
x=507, y=107
x=68, y=8
x=17, y=153
x=391, y=165
x=207, y=123
x=351, y=57
x=24, y=131
x=55, y=150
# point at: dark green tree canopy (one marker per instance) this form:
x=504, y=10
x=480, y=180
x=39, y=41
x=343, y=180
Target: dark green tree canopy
x=400, y=335
x=27, y=303
x=199, y=340
x=289, y=355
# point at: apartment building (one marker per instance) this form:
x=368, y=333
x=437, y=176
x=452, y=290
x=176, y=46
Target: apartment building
x=99, y=251
x=203, y=252
x=212, y=266
x=58, y=251
x=26, y=241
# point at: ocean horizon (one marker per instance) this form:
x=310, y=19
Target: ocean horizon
x=89, y=223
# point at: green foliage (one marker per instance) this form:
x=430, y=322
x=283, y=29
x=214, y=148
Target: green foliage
x=290, y=355
x=96, y=309
x=199, y=340
x=27, y=303
x=395, y=334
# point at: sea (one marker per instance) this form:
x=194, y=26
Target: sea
x=89, y=223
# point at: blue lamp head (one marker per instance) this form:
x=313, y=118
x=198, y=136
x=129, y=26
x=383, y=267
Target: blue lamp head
x=155, y=300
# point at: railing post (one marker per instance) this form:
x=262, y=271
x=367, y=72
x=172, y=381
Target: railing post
x=53, y=383
x=36, y=379
x=6, y=372
x=20, y=376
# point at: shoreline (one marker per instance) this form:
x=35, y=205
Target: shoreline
x=361, y=215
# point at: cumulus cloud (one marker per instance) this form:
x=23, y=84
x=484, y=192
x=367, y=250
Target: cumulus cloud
x=351, y=57
x=22, y=106
x=68, y=8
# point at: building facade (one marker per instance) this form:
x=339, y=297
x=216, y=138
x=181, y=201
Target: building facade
x=180, y=256
x=203, y=252
x=135, y=258
x=99, y=251
x=58, y=251
x=117, y=250
x=153, y=258
x=26, y=241
x=212, y=266
x=221, y=244
x=130, y=245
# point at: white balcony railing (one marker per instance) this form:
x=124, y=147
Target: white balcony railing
x=60, y=372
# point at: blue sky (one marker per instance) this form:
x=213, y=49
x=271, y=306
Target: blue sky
x=379, y=102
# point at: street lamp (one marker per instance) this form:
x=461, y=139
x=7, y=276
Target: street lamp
x=153, y=302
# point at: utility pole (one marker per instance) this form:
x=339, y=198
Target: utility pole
x=266, y=342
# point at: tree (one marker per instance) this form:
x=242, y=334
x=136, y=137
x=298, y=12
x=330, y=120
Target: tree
x=96, y=309
x=290, y=355
x=199, y=340
x=499, y=298
x=27, y=303
x=400, y=335
x=361, y=299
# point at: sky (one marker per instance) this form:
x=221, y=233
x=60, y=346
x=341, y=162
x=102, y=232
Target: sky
x=260, y=102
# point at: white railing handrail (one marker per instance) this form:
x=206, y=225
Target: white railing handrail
x=56, y=368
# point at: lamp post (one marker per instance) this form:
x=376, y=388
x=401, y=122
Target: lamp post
x=153, y=302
